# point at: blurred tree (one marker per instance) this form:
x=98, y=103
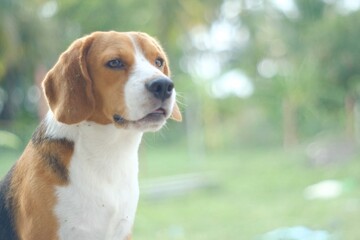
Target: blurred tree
x=283, y=73
x=330, y=38
x=21, y=48
x=338, y=51
x=305, y=59
x=299, y=71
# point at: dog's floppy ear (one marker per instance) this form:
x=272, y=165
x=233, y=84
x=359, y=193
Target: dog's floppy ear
x=176, y=114
x=68, y=87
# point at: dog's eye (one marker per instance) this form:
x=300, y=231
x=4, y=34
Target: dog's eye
x=116, y=64
x=159, y=62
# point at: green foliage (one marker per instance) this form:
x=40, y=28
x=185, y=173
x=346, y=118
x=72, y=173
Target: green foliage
x=316, y=55
x=310, y=10
x=313, y=48
x=9, y=140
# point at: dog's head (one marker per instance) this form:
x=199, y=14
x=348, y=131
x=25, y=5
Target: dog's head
x=112, y=77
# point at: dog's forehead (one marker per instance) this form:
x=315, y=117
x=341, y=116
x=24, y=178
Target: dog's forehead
x=105, y=40
x=124, y=41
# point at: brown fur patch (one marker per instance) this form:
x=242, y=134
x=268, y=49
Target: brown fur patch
x=109, y=83
x=42, y=166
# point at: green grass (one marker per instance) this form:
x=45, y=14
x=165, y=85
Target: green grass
x=7, y=159
x=256, y=191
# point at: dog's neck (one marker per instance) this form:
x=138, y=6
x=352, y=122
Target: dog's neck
x=102, y=149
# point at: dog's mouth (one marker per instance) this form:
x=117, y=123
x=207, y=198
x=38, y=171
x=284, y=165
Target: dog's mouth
x=155, y=116
x=158, y=114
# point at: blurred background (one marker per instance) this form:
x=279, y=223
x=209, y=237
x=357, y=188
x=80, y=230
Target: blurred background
x=270, y=95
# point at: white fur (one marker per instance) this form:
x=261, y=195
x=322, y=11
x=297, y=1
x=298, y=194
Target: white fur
x=101, y=199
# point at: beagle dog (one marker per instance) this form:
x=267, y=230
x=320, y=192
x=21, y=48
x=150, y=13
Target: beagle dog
x=78, y=176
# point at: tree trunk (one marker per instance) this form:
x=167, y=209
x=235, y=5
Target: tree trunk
x=350, y=103
x=290, y=133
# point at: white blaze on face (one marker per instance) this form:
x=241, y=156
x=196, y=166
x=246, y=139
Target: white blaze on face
x=139, y=101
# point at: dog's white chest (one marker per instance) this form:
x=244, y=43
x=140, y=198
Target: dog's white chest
x=101, y=199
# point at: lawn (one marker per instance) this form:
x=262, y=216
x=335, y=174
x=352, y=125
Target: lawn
x=255, y=191
x=246, y=194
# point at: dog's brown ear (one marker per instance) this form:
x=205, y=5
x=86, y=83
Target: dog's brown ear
x=176, y=114
x=68, y=87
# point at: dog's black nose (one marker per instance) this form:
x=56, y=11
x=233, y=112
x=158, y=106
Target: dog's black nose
x=161, y=88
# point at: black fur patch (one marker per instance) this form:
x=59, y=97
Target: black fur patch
x=7, y=225
x=49, y=153
x=39, y=135
x=56, y=166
